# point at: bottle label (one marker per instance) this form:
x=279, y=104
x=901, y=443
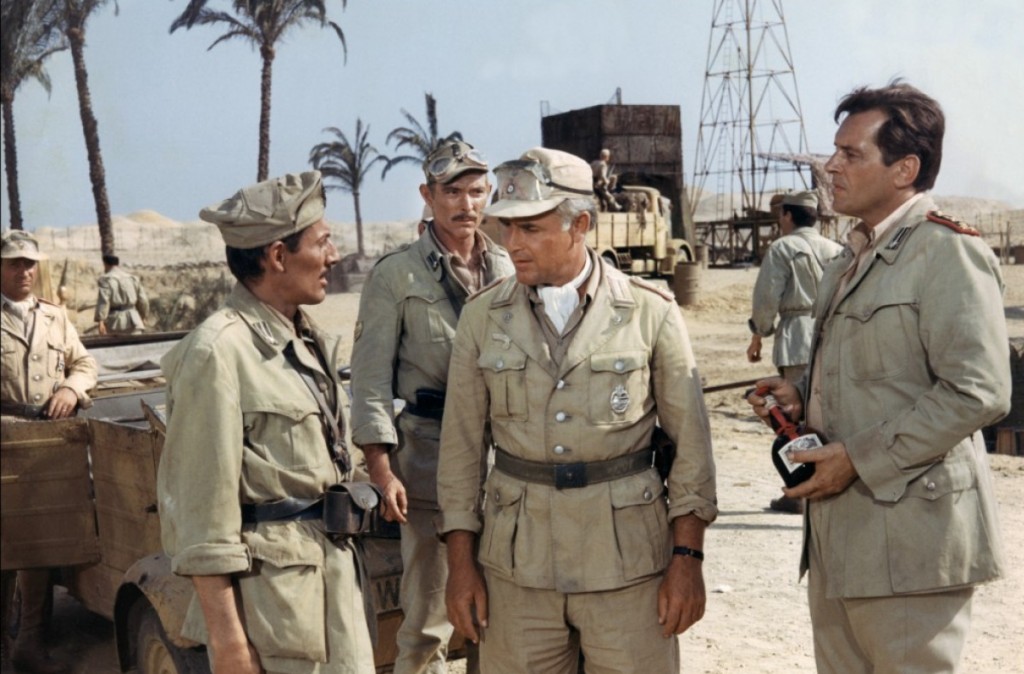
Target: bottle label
x=804, y=442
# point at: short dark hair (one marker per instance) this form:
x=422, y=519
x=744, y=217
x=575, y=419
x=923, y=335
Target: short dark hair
x=803, y=216
x=111, y=260
x=915, y=125
x=244, y=263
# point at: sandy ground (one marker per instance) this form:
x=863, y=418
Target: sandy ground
x=756, y=618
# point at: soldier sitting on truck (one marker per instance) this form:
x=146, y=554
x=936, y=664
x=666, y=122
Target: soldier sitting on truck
x=45, y=373
x=605, y=181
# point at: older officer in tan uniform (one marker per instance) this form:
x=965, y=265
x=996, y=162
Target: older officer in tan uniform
x=786, y=286
x=121, y=303
x=256, y=434
x=570, y=364
x=909, y=361
x=407, y=316
x=46, y=373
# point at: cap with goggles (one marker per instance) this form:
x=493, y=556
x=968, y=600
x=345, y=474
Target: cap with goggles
x=539, y=181
x=450, y=160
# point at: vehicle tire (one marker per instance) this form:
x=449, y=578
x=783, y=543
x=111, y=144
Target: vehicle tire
x=157, y=655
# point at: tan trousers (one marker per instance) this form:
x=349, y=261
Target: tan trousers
x=542, y=631
x=904, y=634
x=425, y=631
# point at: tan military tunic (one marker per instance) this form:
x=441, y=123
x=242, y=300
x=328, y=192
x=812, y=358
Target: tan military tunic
x=787, y=285
x=913, y=360
x=628, y=364
x=244, y=428
x=403, y=343
x=122, y=303
x=51, y=357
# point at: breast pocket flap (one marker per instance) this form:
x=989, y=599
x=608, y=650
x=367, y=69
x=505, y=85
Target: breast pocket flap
x=501, y=360
x=622, y=361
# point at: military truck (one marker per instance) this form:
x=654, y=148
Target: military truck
x=638, y=239
x=79, y=495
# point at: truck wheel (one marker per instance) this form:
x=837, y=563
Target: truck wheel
x=157, y=655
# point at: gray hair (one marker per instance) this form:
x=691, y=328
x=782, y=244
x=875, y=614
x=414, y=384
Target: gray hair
x=571, y=208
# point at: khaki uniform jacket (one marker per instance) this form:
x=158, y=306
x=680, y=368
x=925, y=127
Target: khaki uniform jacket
x=244, y=428
x=786, y=286
x=631, y=344
x=53, y=357
x=403, y=343
x=914, y=361
x=122, y=302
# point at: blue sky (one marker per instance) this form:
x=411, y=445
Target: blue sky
x=178, y=124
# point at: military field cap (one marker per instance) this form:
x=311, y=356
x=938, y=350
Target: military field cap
x=539, y=181
x=451, y=159
x=268, y=211
x=808, y=199
x=16, y=243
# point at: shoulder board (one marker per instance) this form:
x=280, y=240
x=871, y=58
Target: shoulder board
x=641, y=283
x=394, y=251
x=505, y=289
x=960, y=228
x=478, y=293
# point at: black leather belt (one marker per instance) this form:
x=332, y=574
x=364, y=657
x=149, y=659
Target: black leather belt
x=22, y=410
x=285, y=509
x=424, y=411
x=573, y=475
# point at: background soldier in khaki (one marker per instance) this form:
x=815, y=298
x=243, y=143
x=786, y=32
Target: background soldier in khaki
x=46, y=373
x=570, y=363
x=909, y=361
x=605, y=181
x=121, y=305
x=786, y=286
x=407, y=316
x=253, y=396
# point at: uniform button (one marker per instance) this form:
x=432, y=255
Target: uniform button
x=648, y=494
x=560, y=385
x=617, y=319
x=37, y=397
x=500, y=364
x=35, y=356
x=323, y=386
x=37, y=377
x=561, y=416
x=559, y=449
x=620, y=366
x=497, y=498
x=930, y=486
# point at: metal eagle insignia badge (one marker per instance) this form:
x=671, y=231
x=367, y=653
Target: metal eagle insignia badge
x=620, y=399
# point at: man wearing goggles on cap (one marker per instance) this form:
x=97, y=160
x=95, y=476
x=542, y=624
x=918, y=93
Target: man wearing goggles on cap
x=407, y=315
x=569, y=364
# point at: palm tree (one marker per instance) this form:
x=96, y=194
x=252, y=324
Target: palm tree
x=74, y=14
x=348, y=164
x=420, y=141
x=29, y=36
x=262, y=23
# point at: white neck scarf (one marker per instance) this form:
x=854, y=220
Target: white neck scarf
x=561, y=301
x=20, y=310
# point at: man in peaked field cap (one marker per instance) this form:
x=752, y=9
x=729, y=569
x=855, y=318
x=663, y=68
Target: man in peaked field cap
x=908, y=362
x=569, y=363
x=407, y=315
x=45, y=373
x=256, y=423
x=787, y=285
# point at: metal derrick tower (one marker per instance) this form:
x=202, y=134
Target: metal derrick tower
x=751, y=135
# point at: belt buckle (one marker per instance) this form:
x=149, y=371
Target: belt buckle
x=570, y=475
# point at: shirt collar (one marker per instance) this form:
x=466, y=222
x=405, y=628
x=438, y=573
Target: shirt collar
x=863, y=237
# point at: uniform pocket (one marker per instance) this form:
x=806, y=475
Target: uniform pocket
x=283, y=600
x=641, y=524
x=284, y=432
x=427, y=317
x=504, y=371
x=876, y=339
x=503, y=503
x=619, y=383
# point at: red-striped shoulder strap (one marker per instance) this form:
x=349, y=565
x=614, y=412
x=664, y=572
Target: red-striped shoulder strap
x=939, y=218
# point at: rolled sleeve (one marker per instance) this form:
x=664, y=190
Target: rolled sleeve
x=374, y=355
x=462, y=436
x=681, y=412
x=200, y=468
